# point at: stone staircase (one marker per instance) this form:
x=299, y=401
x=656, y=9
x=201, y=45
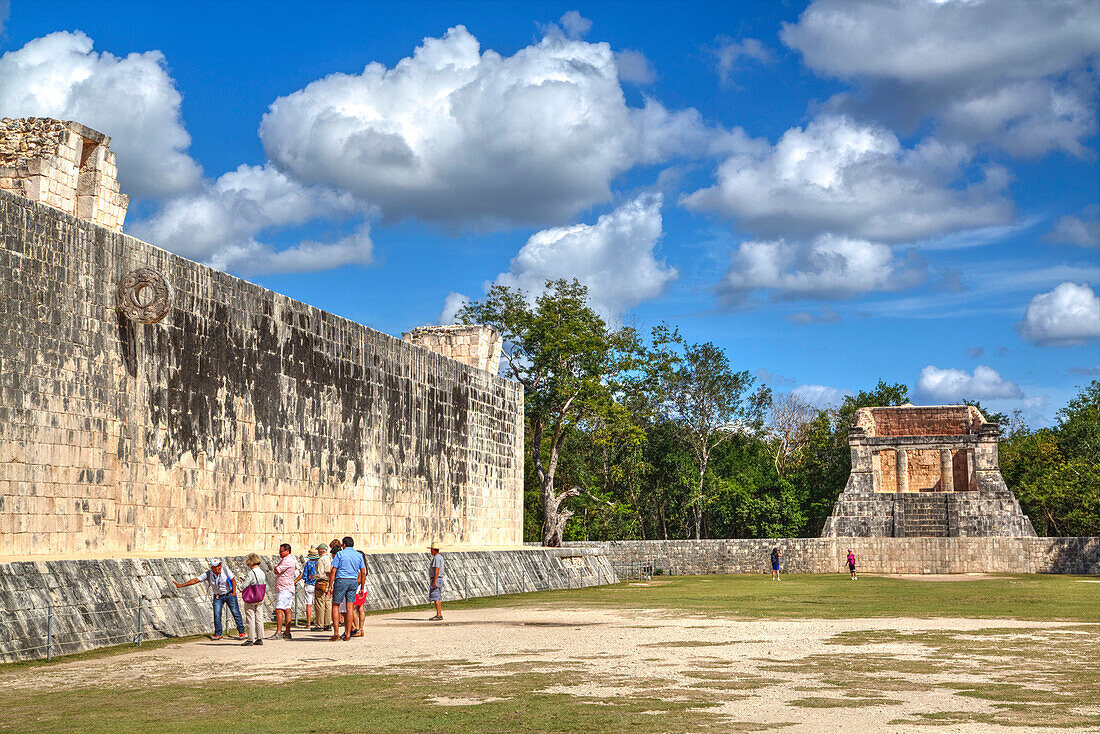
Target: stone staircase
x=921, y=515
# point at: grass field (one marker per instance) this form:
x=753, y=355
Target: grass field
x=737, y=653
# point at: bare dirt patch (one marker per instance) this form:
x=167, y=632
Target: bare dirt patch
x=873, y=675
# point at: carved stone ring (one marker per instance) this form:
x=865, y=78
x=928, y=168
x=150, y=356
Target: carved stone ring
x=144, y=295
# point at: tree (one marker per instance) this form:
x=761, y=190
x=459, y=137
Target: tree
x=563, y=354
x=708, y=401
x=789, y=420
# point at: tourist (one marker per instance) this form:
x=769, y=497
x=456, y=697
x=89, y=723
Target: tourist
x=285, y=572
x=852, y=564
x=254, y=601
x=776, y=555
x=309, y=583
x=435, y=577
x=359, y=613
x=322, y=593
x=337, y=619
x=225, y=593
x=348, y=573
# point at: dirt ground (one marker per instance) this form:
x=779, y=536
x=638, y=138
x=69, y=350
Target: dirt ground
x=856, y=675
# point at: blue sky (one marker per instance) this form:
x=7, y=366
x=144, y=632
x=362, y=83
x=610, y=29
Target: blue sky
x=834, y=192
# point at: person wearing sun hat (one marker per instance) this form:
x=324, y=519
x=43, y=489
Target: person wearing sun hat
x=322, y=594
x=224, y=586
x=435, y=585
x=309, y=582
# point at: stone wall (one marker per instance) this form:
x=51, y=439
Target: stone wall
x=95, y=602
x=65, y=165
x=473, y=344
x=874, y=555
x=240, y=420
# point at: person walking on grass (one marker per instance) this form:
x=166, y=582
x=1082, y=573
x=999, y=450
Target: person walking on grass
x=435, y=578
x=254, y=610
x=286, y=570
x=224, y=585
x=776, y=555
x=309, y=583
x=852, y=564
x=347, y=574
x=322, y=593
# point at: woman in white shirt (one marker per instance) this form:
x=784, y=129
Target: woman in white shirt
x=254, y=611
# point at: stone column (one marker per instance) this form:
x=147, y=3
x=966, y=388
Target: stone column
x=971, y=473
x=876, y=471
x=947, y=471
x=903, y=470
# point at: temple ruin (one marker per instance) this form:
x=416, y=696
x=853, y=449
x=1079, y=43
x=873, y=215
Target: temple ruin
x=928, y=471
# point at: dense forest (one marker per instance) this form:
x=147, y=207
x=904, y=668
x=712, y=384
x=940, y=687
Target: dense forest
x=647, y=436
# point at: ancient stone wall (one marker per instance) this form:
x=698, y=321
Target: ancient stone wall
x=874, y=555
x=925, y=471
x=95, y=602
x=476, y=345
x=65, y=165
x=239, y=420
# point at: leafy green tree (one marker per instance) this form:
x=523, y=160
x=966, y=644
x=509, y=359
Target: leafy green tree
x=709, y=402
x=563, y=354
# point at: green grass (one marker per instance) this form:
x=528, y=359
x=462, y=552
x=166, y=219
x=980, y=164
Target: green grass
x=360, y=703
x=832, y=596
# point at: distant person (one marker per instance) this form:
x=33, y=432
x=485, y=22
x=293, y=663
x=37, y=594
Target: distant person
x=776, y=555
x=435, y=578
x=337, y=619
x=347, y=574
x=309, y=583
x=254, y=610
x=852, y=564
x=359, y=611
x=322, y=593
x=225, y=593
x=286, y=570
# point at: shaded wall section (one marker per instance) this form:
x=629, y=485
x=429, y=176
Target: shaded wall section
x=240, y=420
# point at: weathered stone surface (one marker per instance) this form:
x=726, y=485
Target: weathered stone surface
x=874, y=555
x=62, y=164
x=925, y=471
x=95, y=602
x=473, y=344
x=241, y=420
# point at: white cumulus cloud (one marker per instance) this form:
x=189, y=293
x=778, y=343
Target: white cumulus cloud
x=459, y=136
x=827, y=267
x=845, y=177
x=219, y=225
x=452, y=304
x=1013, y=73
x=615, y=258
x=953, y=385
x=1066, y=316
x=131, y=98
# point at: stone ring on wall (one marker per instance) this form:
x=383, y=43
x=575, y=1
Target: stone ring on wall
x=144, y=295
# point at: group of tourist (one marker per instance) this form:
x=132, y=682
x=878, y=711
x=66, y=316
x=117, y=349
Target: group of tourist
x=335, y=591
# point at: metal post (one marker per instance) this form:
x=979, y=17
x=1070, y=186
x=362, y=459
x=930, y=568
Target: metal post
x=295, y=611
x=466, y=583
x=496, y=582
x=139, y=623
x=49, y=630
x=523, y=578
x=398, y=593
x=599, y=576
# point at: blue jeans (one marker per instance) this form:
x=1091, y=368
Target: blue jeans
x=344, y=590
x=231, y=600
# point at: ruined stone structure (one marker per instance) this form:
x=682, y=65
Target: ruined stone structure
x=151, y=404
x=63, y=164
x=928, y=471
x=475, y=345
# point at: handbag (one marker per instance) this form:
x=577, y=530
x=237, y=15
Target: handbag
x=361, y=598
x=254, y=593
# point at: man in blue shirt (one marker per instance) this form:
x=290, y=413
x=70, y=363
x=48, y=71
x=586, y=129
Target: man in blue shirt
x=348, y=573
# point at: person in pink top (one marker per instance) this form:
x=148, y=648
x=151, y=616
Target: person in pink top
x=286, y=570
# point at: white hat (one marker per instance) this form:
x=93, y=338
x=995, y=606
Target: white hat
x=215, y=562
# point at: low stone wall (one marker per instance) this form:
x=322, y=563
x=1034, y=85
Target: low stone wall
x=94, y=603
x=874, y=555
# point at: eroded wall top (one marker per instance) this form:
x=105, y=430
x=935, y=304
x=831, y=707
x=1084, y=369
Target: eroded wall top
x=925, y=420
x=64, y=164
x=473, y=344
